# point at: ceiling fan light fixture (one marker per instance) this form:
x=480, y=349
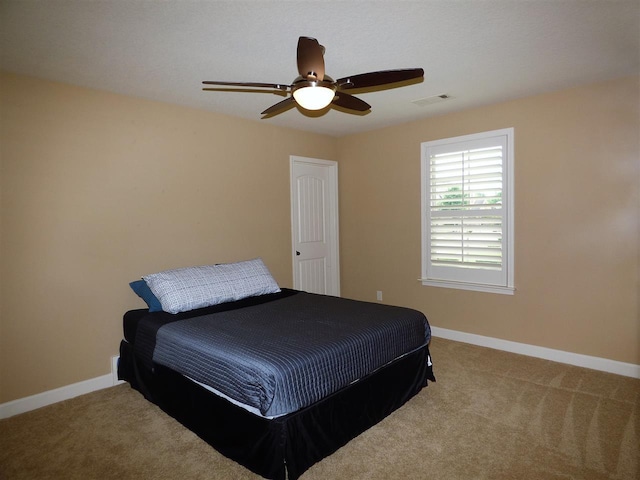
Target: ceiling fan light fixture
x=313, y=95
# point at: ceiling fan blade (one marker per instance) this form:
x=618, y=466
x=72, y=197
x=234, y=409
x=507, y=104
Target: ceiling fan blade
x=279, y=107
x=350, y=102
x=310, y=58
x=277, y=86
x=376, y=79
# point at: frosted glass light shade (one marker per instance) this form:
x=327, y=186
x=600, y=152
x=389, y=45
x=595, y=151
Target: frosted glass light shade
x=313, y=97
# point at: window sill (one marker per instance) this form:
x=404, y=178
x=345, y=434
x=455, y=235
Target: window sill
x=477, y=287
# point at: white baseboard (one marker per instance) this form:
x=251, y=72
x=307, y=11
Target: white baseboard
x=39, y=400
x=579, y=360
x=26, y=404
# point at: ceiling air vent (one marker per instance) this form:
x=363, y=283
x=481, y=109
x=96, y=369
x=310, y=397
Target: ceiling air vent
x=423, y=102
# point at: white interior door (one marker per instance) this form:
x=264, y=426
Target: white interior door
x=314, y=225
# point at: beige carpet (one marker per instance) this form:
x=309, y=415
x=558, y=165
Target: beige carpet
x=491, y=415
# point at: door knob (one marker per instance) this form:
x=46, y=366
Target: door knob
x=297, y=253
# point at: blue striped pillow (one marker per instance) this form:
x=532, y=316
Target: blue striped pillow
x=141, y=289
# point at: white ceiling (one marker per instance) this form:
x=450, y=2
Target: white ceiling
x=478, y=52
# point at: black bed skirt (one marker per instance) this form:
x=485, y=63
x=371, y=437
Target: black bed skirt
x=284, y=447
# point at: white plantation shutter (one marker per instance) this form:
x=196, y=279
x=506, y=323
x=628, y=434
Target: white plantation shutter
x=466, y=211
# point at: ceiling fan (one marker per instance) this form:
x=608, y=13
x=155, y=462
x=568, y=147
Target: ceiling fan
x=313, y=90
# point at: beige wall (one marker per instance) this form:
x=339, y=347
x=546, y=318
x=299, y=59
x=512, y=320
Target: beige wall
x=98, y=189
x=577, y=208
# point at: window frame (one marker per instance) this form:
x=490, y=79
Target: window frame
x=460, y=277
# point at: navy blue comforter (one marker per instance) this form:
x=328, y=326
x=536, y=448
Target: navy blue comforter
x=290, y=352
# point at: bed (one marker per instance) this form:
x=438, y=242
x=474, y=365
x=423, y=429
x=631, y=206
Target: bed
x=276, y=380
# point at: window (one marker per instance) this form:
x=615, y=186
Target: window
x=467, y=212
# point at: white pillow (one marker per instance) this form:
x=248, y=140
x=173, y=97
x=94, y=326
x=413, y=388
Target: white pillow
x=189, y=288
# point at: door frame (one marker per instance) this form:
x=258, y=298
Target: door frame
x=332, y=222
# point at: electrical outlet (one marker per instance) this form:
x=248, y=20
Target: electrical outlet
x=114, y=370
x=379, y=295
